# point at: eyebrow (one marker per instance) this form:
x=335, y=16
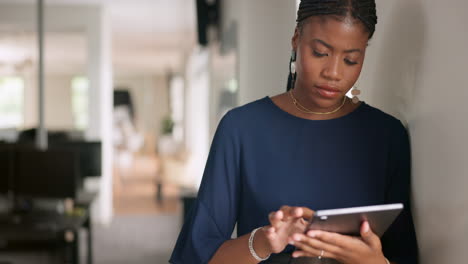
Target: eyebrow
x=331, y=47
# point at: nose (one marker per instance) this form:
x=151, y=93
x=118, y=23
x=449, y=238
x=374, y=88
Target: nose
x=333, y=69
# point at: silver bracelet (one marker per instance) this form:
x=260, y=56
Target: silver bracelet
x=252, y=251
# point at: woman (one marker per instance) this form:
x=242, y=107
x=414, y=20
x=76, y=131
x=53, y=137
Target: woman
x=309, y=148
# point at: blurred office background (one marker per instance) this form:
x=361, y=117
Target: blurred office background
x=132, y=93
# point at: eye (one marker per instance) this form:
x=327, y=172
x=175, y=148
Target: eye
x=318, y=54
x=350, y=62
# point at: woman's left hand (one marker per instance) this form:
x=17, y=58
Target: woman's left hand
x=366, y=249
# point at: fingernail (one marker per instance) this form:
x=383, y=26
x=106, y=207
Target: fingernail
x=312, y=233
x=366, y=227
x=299, y=211
x=297, y=237
x=291, y=242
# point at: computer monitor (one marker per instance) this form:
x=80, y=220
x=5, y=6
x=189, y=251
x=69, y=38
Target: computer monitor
x=6, y=167
x=90, y=158
x=46, y=174
x=89, y=153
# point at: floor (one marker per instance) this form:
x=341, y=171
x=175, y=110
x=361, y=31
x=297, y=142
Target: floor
x=137, y=239
x=135, y=188
x=144, y=229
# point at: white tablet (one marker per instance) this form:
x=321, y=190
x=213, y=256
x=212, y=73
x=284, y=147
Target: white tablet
x=348, y=221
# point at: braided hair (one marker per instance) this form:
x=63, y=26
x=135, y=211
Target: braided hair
x=361, y=10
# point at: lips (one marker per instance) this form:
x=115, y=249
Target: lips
x=327, y=91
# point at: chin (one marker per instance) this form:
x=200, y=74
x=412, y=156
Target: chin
x=326, y=103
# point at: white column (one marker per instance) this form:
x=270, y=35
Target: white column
x=101, y=103
x=197, y=118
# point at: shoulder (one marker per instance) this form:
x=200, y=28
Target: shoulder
x=382, y=119
x=255, y=107
x=242, y=122
x=390, y=127
x=251, y=112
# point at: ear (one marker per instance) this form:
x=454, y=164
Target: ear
x=295, y=39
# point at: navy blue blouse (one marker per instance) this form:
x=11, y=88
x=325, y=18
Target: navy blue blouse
x=262, y=158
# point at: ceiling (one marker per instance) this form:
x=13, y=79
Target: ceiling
x=148, y=36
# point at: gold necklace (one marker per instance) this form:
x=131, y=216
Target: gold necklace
x=307, y=111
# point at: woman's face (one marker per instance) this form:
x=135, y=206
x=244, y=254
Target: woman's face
x=330, y=55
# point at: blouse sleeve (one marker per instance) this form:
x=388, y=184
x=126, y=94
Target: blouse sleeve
x=399, y=242
x=213, y=216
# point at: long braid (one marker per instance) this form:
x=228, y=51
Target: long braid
x=362, y=10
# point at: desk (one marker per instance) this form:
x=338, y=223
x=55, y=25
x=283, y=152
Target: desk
x=46, y=227
x=33, y=228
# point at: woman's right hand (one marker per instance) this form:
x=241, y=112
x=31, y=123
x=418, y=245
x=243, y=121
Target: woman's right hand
x=285, y=222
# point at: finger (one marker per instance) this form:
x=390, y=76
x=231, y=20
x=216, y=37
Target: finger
x=307, y=213
x=342, y=241
x=275, y=218
x=286, y=211
x=313, y=245
x=296, y=212
x=369, y=237
x=291, y=212
x=270, y=232
x=269, y=229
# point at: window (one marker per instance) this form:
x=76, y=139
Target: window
x=11, y=102
x=80, y=99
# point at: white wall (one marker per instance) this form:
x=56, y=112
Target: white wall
x=416, y=69
x=31, y=101
x=58, y=108
x=265, y=31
